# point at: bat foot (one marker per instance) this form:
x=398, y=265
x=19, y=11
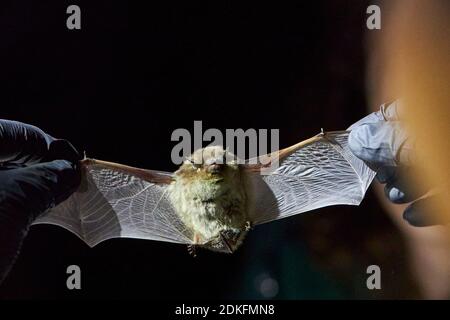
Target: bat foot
x=248, y=226
x=192, y=250
x=192, y=247
x=225, y=241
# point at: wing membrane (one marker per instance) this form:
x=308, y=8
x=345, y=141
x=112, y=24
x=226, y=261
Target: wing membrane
x=115, y=204
x=311, y=175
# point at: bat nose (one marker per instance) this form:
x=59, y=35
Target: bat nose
x=215, y=168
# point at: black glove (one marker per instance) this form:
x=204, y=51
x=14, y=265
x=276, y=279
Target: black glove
x=37, y=172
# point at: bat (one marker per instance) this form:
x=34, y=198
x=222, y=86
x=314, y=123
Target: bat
x=212, y=200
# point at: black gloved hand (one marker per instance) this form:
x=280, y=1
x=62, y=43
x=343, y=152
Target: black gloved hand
x=37, y=172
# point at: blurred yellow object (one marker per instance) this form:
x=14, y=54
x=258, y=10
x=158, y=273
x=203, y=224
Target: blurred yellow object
x=410, y=60
x=414, y=55
x=421, y=70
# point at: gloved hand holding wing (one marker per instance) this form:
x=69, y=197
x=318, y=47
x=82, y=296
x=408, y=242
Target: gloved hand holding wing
x=381, y=140
x=37, y=172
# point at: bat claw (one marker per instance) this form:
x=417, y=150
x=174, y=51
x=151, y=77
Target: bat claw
x=192, y=250
x=225, y=241
x=248, y=226
x=192, y=247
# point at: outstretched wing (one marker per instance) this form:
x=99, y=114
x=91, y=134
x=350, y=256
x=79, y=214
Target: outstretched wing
x=116, y=201
x=315, y=173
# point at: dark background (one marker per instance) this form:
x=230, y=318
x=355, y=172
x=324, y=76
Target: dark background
x=117, y=89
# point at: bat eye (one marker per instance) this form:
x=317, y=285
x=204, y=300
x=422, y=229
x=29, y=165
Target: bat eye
x=195, y=165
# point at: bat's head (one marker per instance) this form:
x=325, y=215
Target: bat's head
x=211, y=161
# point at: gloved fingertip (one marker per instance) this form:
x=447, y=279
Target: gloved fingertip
x=63, y=149
x=395, y=195
x=415, y=216
x=386, y=174
x=421, y=214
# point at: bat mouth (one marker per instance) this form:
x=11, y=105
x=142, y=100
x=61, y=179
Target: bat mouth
x=215, y=168
x=208, y=201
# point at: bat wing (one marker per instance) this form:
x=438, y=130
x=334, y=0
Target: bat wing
x=114, y=203
x=315, y=173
